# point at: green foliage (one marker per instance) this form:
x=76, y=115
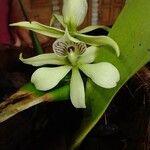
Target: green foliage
x=58, y=94
x=132, y=33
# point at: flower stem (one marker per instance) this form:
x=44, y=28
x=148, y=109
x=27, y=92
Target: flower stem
x=35, y=41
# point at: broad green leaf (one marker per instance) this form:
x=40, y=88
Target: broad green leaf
x=57, y=94
x=27, y=97
x=132, y=33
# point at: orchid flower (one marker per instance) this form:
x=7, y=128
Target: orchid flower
x=73, y=15
x=76, y=56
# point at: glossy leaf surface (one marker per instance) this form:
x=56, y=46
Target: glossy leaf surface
x=132, y=33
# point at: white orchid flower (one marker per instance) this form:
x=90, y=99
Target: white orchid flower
x=76, y=56
x=74, y=13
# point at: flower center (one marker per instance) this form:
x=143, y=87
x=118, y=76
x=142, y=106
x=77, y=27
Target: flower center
x=71, y=50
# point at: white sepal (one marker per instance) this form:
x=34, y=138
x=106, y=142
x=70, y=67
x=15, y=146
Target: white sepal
x=74, y=12
x=44, y=59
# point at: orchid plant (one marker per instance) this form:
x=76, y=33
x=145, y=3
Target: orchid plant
x=74, y=51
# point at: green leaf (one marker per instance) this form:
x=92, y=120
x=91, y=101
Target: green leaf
x=58, y=94
x=27, y=97
x=132, y=33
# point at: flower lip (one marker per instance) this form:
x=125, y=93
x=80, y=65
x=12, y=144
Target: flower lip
x=60, y=48
x=64, y=48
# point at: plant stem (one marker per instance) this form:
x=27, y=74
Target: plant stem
x=24, y=99
x=35, y=41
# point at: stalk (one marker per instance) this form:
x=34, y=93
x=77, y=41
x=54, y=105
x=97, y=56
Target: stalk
x=27, y=97
x=35, y=41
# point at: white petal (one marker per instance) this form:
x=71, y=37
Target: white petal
x=46, y=78
x=44, y=59
x=88, y=56
x=74, y=12
x=103, y=74
x=77, y=93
